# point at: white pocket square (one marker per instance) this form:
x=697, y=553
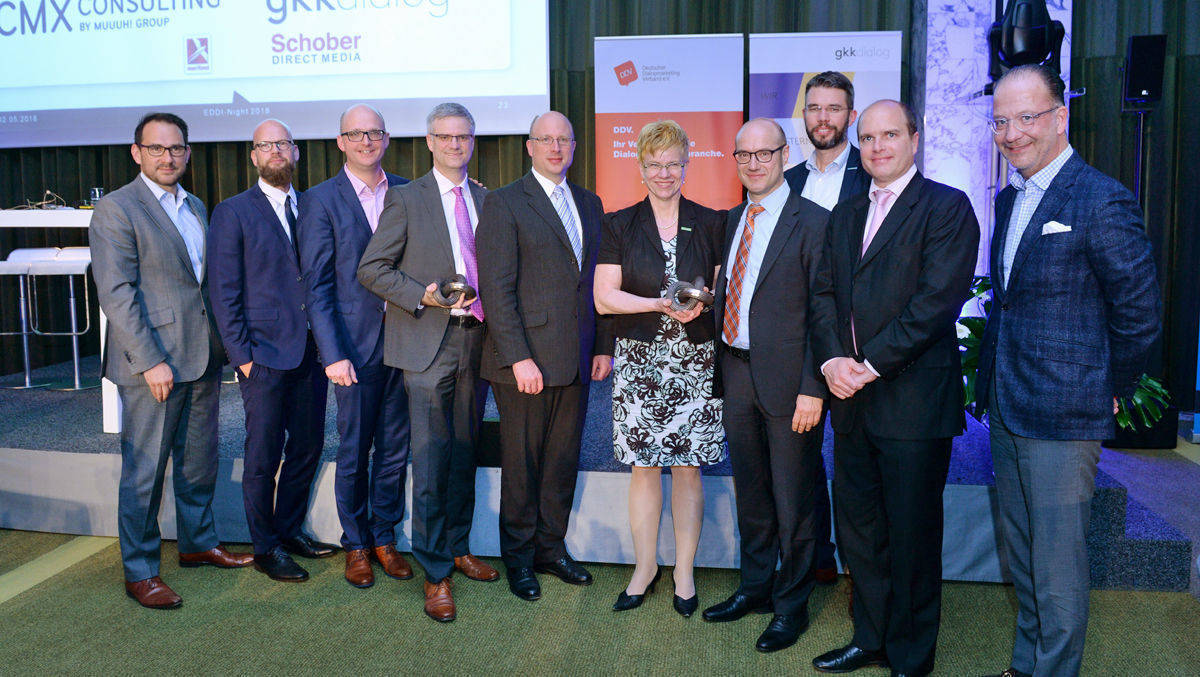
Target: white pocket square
x=1055, y=227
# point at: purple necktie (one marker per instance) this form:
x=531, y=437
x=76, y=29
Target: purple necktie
x=466, y=243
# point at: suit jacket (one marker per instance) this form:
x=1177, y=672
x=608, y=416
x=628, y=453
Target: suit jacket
x=854, y=179
x=258, y=292
x=157, y=310
x=630, y=239
x=537, y=300
x=345, y=318
x=1081, y=310
x=410, y=249
x=905, y=294
x=780, y=351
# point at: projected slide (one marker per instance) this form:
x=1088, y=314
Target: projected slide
x=84, y=71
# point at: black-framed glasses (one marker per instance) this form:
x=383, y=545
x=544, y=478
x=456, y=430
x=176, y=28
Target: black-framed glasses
x=1024, y=121
x=357, y=135
x=156, y=150
x=743, y=156
x=447, y=138
x=266, y=146
x=548, y=140
x=835, y=109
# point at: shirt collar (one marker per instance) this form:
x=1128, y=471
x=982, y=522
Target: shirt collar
x=548, y=185
x=360, y=185
x=838, y=162
x=178, y=198
x=1045, y=176
x=897, y=187
x=773, y=202
x=276, y=195
x=445, y=185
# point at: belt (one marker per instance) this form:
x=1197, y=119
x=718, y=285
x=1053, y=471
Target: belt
x=739, y=353
x=465, y=321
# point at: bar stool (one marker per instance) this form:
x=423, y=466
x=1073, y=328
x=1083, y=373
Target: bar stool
x=69, y=262
x=18, y=264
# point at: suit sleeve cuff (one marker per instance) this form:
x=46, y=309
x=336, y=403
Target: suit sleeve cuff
x=873, y=371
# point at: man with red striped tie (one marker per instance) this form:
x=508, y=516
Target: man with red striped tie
x=773, y=395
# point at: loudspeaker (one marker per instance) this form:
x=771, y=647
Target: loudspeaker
x=1144, y=69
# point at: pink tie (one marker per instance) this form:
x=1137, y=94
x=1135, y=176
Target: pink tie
x=883, y=197
x=466, y=243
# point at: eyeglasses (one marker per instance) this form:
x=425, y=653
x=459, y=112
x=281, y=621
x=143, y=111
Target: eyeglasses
x=266, y=146
x=155, y=150
x=447, y=138
x=551, y=140
x=357, y=135
x=814, y=109
x=657, y=167
x=743, y=156
x=1024, y=121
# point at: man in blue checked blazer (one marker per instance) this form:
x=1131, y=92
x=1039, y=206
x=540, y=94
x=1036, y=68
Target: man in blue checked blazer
x=1076, y=310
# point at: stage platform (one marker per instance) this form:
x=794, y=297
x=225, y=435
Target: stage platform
x=59, y=473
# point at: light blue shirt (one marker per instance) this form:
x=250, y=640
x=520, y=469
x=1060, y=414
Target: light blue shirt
x=764, y=227
x=187, y=223
x=824, y=187
x=1029, y=196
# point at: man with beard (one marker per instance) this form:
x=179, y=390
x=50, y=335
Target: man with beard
x=258, y=299
x=831, y=174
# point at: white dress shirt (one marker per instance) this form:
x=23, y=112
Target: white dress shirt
x=446, y=191
x=187, y=223
x=825, y=187
x=764, y=227
x=548, y=186
x=278, y=198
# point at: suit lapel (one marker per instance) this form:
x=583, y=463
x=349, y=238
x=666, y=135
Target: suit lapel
x=850, y=175
x=263, y=204
x=158, y=215
x=644, y=218
x=589, y=224
x=894, y=219
x=1052, y=202
x=784, y=225
x=1004, y=205
x=431, y=201
x=683, y=237
x=346, y=191
x=541, y=205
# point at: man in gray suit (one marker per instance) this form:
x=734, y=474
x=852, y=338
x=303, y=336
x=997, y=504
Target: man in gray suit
x=427, y=234
x=164, y=354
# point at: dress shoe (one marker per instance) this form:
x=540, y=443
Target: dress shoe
x=685, y=607
x=825, y=576
x=358, y=568
x=1012, y=672
x=302, y=545
x=439, y=602
x=782, y=632
x=152, y=593
x=735, y=607
x=476, y=569
x=566, y=569
x=392, y=562
x=279, y=566
x=217, y=557
x=626, y=602
x=524, y=584
x=848, y=659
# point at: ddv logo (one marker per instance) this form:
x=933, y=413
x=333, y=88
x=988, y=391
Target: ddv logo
x=198, y=57
x=626, y=73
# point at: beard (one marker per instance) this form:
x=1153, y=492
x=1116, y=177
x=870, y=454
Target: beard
x=279, y=176
x=839, y=135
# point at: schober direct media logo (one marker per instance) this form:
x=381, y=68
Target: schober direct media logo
x=626, y=73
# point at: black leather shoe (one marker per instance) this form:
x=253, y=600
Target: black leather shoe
x=279, y=566
x=782, y=632
x=566, y=569
x=735, y=607
x=1011, y=672
x=302, y=545
x=626, y=602
x=524, y=584
x=685, y=607
x=848, y=659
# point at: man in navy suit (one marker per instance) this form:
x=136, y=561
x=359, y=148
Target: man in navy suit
x=337, y=218
x=258, y=298
x=831, y=174
x=1076, y=310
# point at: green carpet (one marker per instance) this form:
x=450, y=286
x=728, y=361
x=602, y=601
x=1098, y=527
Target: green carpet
x=239, y=622
x=18, y=547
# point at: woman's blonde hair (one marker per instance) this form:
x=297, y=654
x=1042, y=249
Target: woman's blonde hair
x=659, y=136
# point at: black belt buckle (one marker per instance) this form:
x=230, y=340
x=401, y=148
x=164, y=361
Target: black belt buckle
x=740, y=353
x=465, y=321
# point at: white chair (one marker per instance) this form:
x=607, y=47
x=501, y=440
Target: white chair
x=69, y=262
x=18, y=265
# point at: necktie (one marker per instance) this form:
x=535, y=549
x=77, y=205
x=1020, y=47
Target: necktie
x=733, y=296
x=466, y=244
x=291, y=221
x=883, y=197
x=568, y=222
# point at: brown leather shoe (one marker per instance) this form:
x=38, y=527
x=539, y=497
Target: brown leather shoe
x=392, y=562
x=475, y=568
x=439, y=603
x=358, y=568
x=152, y=593
x=217, y=557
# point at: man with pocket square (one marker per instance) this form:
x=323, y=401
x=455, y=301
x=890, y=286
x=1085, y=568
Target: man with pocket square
x=1076, y=310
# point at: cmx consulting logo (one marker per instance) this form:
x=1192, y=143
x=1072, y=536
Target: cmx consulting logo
x=626, y=73
x=199, y=58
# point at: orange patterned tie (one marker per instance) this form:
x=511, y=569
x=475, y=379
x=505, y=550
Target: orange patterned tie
x=733, y=297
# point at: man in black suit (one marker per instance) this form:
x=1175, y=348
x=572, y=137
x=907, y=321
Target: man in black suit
x=541, y=235
x=831, y=174
x=773, y=398
x=258, y=297
x=897, y=269
x=427, y=234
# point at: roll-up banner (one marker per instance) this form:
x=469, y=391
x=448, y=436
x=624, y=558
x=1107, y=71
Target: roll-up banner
x=781, y=64
x=695, y=80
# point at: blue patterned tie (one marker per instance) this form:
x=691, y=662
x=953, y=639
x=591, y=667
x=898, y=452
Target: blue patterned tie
x=568, y=221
